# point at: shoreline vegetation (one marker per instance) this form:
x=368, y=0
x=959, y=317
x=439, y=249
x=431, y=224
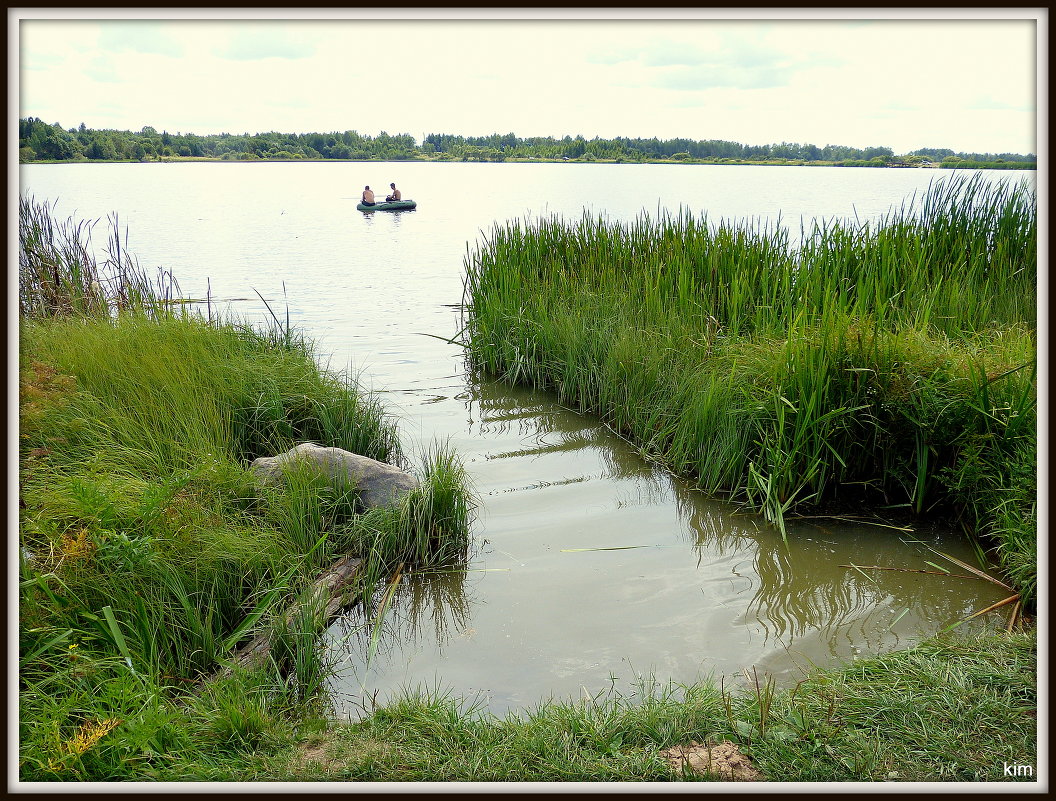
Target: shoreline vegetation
x=147, y=554
x=888, y=365
x=148, y=551
x=47, y=144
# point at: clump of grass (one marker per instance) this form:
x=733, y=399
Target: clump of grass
x=428, y=528
x=889, y=364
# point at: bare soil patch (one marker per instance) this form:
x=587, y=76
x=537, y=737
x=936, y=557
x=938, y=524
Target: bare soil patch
x=723, y=760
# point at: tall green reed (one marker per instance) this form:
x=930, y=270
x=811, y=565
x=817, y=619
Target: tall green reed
x=59, y=272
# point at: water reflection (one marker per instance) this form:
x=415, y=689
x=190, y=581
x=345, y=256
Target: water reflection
x=711, y=525
x=549, y=427
x=819, y=583
x=592, y=559
x=432, y=604
x=439, y=598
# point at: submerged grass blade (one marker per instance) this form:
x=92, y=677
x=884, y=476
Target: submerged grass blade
x=379, y=618
x=940, y=572
x=901, y=615
x=993, y=607
x=614, y=548
x=856, y=567
x=860, y=521
x=970, y=569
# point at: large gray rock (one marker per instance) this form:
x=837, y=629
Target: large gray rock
x=378, y=484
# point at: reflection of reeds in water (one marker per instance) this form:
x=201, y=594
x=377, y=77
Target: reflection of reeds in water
x=573, y=442
x=625, y=461
x=540, y=418
x=791, y=605
x=535, y=485
x=437, y=597
x=805, y=589
x=715, y=526
x=788, y=605
x=499, y=407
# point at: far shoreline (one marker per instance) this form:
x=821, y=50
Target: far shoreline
x=680, y=162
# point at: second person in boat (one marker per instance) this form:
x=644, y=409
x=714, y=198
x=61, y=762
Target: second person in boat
x=395, y=193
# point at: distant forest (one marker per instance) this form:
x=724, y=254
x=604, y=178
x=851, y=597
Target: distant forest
x=39, y=141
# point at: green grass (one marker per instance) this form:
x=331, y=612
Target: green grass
x=888, y=364
x=151, y=544
x=951, y=709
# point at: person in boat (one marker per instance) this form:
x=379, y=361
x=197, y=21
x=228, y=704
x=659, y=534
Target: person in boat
x=368, y=196
x=395, y=194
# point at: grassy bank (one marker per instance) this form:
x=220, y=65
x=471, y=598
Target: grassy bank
x=890, y=365
x=945, y=711
x=148, y=552
x=955, y=710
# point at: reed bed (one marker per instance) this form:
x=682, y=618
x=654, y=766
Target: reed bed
x=147, y=550
x=891, y=364
x=59, y=272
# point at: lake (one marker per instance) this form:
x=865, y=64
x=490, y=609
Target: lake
x=686, y=587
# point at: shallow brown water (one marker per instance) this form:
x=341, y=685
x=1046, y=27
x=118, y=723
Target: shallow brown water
x=594, y=568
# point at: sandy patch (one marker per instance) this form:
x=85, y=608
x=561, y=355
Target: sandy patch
x=723, y=760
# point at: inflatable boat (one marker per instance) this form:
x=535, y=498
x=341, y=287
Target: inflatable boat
x=388, y=205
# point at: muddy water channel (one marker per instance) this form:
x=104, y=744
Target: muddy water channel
x=590, y=566
x=594, y=569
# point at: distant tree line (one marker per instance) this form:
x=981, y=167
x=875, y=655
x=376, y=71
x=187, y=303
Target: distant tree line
x=625, y=149
x=39, y=141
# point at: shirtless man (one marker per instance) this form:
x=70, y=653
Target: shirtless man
x=368, y=196
x=395, y=193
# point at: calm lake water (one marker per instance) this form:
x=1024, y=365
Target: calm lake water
x=696, y=589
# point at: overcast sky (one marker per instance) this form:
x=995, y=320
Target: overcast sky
x=969, y=85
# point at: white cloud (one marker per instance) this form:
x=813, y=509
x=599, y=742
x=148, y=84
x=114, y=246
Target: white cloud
x=964, y=85
x=101, y=68
x=139, y=37
x=265, y=41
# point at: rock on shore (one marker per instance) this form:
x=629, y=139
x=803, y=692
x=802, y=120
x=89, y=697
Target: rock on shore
x=378, y=483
